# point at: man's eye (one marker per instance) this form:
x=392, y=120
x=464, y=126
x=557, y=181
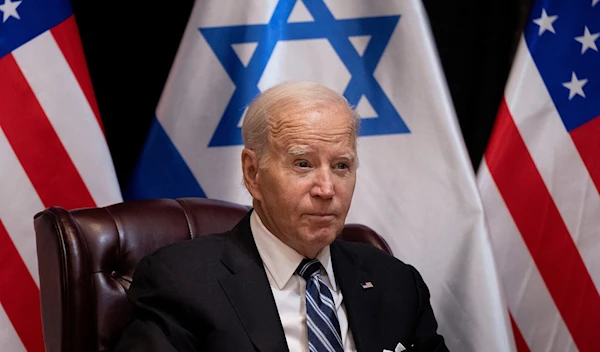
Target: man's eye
x=342, y=166
x=302, y=164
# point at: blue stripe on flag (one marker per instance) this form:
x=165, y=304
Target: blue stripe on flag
x=35, y=17
x=559, y=55
x=161, y=172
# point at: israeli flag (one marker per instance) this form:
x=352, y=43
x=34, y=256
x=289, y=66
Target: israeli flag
x=415, y=184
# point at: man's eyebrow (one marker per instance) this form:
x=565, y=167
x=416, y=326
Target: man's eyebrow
x=349, y=156
x=297, y=150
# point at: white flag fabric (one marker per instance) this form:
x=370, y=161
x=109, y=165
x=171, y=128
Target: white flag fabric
x=415, y=184
x=540, y=179
x=52, y=150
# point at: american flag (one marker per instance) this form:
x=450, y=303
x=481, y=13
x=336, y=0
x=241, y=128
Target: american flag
x=540, y=180
x=52, y=149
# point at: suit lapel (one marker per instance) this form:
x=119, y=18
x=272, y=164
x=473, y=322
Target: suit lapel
x=249, y=291
x=363, y=305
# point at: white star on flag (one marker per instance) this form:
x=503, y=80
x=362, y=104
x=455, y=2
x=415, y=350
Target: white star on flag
x=575, y=86
x=545, y=22
x=588, y=40
x=9, y=9
x=594, y=2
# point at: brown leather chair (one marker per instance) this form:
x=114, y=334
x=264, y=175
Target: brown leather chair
x=87, y=257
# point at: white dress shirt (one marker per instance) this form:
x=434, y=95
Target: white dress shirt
x=289, y=290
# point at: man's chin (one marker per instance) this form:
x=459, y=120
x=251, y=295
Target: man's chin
x=314, y=240
x=323, y=235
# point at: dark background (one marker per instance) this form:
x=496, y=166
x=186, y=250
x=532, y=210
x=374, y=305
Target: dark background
x=130, y=45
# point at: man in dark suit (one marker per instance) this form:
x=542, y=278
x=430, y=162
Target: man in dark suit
x=280, y=280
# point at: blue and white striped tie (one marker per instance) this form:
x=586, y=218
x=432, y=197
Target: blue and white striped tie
x=321, y=320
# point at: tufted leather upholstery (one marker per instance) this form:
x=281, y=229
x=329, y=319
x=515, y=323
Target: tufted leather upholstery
x=86, y=259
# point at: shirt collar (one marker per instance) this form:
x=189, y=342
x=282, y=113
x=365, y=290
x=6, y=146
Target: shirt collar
x=280, y=259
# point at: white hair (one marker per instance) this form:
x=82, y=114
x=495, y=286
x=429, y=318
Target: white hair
x=296, y=95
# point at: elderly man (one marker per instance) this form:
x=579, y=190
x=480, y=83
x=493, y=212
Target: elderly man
x=280, y=280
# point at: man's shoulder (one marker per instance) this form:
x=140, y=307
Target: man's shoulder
x=198, y=259
x=370, y=256
x=203, y=248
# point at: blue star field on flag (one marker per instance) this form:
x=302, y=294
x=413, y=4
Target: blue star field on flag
x=21, y=21
x=562, y=37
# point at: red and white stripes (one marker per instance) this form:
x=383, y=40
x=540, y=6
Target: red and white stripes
x=542, y=208
x=52, y=152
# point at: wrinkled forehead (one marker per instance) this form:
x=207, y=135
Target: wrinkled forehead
x=306, y=131
x=323, y=118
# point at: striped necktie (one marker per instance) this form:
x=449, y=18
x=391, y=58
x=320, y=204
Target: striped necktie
x=321, y=320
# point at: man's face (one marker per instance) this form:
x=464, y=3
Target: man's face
x=305, y=191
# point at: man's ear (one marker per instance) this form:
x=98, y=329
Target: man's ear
x=250, y=168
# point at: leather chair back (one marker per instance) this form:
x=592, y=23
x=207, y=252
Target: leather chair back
x=87, y=257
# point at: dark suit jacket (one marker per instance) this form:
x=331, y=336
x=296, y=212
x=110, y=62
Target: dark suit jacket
x=212, y=294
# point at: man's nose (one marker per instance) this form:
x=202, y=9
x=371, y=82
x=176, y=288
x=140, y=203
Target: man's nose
x=323, y=185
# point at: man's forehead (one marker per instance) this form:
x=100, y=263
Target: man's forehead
x=309, y=125
x=311, y=113
x=298, y=132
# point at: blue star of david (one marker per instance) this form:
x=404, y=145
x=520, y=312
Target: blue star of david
x=325, y=26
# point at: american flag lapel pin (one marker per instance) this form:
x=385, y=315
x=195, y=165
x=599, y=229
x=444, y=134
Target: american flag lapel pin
x=366, y=285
